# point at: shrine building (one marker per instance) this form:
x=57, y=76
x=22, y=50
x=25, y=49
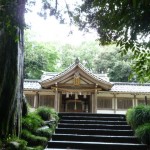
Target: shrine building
x=77, y=89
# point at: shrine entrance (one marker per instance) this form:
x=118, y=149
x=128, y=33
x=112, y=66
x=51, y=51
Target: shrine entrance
x=75, y=89
x=71, y=104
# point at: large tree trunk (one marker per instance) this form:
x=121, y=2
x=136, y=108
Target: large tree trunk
x=11, y=68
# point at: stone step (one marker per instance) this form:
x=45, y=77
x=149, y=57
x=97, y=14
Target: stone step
x=94, y=122
x=95, y=138
x=93, y=118
x=95, y=145
x=90, y=114
x=94, y=126
x=55, y=149
x=94, y=131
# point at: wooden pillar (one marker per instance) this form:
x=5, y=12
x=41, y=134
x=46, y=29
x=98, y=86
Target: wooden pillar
x=115, y=103
x=95, y=98
x=36, y=99
x=89, y=104
x=92, y=102
x=145, y=100
x=56, y=99
x=58, y=102
x=134, y=101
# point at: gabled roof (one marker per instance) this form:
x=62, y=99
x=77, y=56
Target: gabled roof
x=71, y=70
x=119, y=87
x=30, y=84
x=127, y=87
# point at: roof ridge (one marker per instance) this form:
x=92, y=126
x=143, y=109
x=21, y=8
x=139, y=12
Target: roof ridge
x=60, y=73
x=93, y=75
x=32, y=80
x=131, y=83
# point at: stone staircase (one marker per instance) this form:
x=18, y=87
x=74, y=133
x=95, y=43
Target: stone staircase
x=94, y=131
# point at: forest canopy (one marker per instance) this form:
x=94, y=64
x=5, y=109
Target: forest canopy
x=123, y=22
x=56, y=57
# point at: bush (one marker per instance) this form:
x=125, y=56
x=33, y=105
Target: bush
x=15, y=144
x=33, y=140
x=31, y=122
x=146, y=114
x=130, y=116
x=134, y=116
x=44, y=133
x=47, y=113
x=143, y=133
x=35, y=131
x=138, y=116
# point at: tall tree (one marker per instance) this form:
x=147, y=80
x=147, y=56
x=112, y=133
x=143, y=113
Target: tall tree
x=122, y=21
x=86, y=52
x=120, y=72
x=110, y=61
x=39, y=57
x=11, y=65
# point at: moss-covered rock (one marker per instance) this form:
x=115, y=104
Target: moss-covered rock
x=31, y=122
x=47, y=113
x=32, y=139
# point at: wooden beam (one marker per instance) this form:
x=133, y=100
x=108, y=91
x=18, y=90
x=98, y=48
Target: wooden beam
x=76, y=90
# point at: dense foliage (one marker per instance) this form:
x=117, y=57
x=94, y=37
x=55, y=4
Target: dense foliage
x=143, y=132
x=123, y=22
x=35, y=132
x=98, y=59
x=47, y=113
x=39, y=57
x=139, y=119
x=110, y=61
x=137, y=116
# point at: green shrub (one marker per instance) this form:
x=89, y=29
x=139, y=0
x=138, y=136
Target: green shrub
x=31, y=122
x=33, y=140
x=138, y=115
x=135, y=115
x=130, y=116
x=47, y=113
x=14, y=143
x=44, y=133
x=143, y=133
x=146, y=114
